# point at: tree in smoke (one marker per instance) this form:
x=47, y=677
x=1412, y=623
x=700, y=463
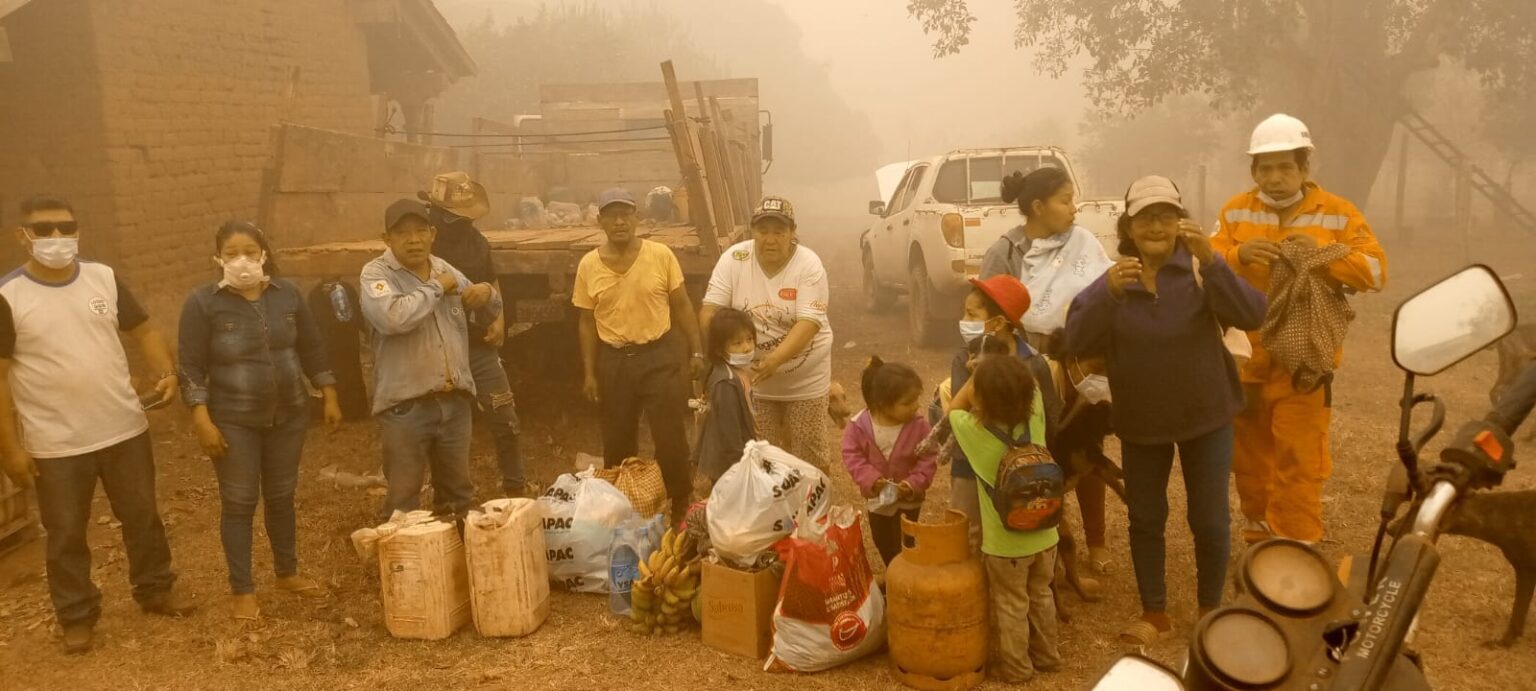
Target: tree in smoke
x=1172, y=138
x=1339, y=64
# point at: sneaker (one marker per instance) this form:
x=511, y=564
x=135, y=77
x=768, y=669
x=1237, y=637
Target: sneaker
x=302, y=586
x=172, y=603
x=243, y=607
x=77, y=637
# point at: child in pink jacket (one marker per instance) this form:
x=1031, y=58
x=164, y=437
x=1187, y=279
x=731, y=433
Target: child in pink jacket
x=880, y=451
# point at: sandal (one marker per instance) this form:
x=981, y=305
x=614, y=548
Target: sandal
x=1255, y=532
x=1143, y=633
x=300, y=585
x=1099, y=559
x=244, y=607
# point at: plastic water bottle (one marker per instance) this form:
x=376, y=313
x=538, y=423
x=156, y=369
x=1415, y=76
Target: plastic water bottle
x=340, y=305
x=623, y=567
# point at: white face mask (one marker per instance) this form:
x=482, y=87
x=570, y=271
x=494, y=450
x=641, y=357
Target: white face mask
x=55, y=253
x=972, y=330
x=1286, y=203
x=1094, y=388
x=243, y=273
x=739, y=360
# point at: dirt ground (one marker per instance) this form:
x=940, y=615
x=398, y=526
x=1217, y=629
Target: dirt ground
x=341, y=642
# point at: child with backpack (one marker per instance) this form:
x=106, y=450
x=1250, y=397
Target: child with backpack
x=879, y=451
x=1019, y=490
x=727, y=423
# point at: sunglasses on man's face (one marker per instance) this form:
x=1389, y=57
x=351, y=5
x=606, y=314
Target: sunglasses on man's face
x=44, y=229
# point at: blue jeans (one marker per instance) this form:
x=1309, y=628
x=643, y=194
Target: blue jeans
x=65, y=488
x=428, y=432
x=261, y=463
x=494, y=394
x=1207, y=465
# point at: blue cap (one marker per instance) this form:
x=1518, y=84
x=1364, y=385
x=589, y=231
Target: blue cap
x=616, y=195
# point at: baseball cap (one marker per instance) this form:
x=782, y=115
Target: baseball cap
x=616, y=195
x=402, y=208
x=773, y=206
x=1009, y=294
x=1152, y=189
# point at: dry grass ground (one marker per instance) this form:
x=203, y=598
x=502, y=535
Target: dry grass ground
x=341, y=642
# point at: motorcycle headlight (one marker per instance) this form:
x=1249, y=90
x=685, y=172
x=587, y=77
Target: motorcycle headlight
x=1245, y=648
x=1289, y=577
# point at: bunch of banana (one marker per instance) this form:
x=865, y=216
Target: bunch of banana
x=661, y=600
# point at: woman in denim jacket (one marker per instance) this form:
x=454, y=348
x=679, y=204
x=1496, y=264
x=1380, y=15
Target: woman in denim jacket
x=248, y=342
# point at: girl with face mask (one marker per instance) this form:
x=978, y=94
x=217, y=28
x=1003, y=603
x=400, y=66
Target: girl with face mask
x=728, y=424
x=248, y=344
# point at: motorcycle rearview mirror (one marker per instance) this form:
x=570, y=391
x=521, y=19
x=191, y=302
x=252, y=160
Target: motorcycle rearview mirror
x=1136, y=673
x=1451, y=320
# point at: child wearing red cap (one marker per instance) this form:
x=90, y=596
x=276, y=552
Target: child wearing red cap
x=994, y=309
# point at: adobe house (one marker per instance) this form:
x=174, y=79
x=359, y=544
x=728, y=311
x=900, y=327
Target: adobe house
x=154, y=116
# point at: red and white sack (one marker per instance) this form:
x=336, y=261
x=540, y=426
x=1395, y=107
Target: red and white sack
x=830, y=612
x=757, y=501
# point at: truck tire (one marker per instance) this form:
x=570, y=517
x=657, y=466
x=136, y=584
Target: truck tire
x=926, y=330
x=877, y=298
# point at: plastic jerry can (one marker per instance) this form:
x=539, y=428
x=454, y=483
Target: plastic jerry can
x=508, y=574
x=424, y=581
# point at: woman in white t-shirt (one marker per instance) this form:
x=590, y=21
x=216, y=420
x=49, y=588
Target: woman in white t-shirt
x=783, y=285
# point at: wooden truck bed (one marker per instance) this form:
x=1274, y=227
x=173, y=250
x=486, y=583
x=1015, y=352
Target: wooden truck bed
x=553, y=252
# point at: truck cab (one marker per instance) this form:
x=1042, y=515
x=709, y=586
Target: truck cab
x=936, y=224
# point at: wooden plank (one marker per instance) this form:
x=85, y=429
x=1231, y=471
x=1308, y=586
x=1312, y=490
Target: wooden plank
x=322, y=161
x=687, y=162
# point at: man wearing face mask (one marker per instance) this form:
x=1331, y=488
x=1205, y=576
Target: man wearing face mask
x=1281, y=455
x=454, y=204
x=81, y=421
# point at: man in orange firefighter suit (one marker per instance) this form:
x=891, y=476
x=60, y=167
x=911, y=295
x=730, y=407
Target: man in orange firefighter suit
x=1281, y=453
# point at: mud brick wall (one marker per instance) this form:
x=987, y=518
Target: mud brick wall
x=51, y=137
x=190, y=90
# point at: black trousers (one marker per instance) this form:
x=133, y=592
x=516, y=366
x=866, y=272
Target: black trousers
x=649, y=380
x=886, y=532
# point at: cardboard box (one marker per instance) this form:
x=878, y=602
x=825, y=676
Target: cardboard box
x=738, y=609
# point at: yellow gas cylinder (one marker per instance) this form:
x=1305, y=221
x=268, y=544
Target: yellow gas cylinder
x=936, y=595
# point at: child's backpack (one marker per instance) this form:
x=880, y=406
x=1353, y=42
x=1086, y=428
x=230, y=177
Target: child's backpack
x=1027, y=492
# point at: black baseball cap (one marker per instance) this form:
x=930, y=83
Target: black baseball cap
x=402, y=208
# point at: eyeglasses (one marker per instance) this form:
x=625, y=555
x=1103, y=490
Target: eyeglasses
x=43, y=229
x=1163, y=217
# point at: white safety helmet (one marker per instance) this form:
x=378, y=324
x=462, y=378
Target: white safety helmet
x=1279, y=132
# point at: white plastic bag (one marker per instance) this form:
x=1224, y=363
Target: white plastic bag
x=580, y=513
x=758, y=500
x=830, y=611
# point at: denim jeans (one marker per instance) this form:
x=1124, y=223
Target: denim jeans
x=65, y=488
x=1207, y=465
x=261, y=463
x=494, y=394
x=427, y=432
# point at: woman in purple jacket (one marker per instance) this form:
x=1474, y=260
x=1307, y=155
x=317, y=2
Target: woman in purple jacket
x=1157, y=317
x=880, y=452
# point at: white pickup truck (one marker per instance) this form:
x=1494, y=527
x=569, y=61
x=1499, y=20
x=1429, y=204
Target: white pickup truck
x=938, y=221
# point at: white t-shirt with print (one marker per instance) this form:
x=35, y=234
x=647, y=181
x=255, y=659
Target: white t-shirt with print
x=777, y=303
x=69, y=374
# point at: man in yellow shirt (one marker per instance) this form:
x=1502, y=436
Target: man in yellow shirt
x=1281, y=454
x=631, y=296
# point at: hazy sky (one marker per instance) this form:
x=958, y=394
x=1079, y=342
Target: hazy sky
x=988, y=95
x=879, y=59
